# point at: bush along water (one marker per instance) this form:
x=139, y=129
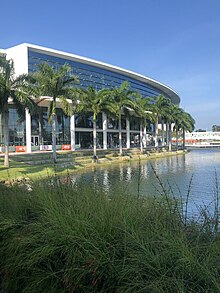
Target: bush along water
x=60, y=238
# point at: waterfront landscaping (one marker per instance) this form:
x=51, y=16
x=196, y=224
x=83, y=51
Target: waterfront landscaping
x=95, y=231
x=75, y=238
x=39, y=165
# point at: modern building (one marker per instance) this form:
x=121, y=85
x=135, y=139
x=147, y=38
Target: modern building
x=34, y=132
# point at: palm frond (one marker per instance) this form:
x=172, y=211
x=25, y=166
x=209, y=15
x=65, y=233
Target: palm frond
x=65, y=105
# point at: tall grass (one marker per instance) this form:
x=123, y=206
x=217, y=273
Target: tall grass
x=63, y=238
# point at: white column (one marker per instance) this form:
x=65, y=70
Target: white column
x=145, y=137
x=167, y=133
x=28, y=130
x=128, y=133
x=162, y=130
x=72, y=132
x=105, y=129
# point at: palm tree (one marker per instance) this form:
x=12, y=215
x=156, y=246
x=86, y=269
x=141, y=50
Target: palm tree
x=169, y=116
x=188, y=124
x=160, y=108
x=177, y=118
x=14, y=89
x=182, y=120
x=58, y=85
x=121, y=100
x=95, y=102
x=142, y=110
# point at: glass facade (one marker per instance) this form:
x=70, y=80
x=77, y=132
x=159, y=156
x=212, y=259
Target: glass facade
x=40, y=127
x=134, y=123
x=84, y=139
x=112, y=123
x=91, y=75
x=113, y=140
x=85, y=121
x=16, y=125
x=17, y=131
x=134, y=139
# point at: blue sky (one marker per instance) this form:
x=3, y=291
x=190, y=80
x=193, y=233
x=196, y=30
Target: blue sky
x=176, y=42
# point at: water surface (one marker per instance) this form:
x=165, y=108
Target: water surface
x=196, y=173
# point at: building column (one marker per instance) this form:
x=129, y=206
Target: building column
x=128, y=144
x=105, y=129
x=72, y=133
x=167, y=133
x=145, y=137
x=28, y=130
x=162, y=132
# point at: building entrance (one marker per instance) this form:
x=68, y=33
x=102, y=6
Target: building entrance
x=35, y=140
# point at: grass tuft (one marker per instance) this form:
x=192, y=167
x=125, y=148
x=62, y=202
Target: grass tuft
x=74, y=239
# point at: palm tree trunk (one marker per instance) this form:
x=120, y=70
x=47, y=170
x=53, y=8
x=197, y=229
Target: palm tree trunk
x=72, y=132
x=141, y=137
x=156, y=133
x=120, y=136
x=40, y=115
x=145, y=134
x=94, y=137
x=184, y=139
x=177, y=139
x=167, y=133
x=162, y=130
x=6, y=135
x=170, y=137
x=54, y=137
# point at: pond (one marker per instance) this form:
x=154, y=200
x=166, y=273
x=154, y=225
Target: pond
x=196, y=173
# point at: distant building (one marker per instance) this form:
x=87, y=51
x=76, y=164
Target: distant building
x=203, y=138
x=35, y=132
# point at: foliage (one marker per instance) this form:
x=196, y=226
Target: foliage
x=16, y=90
x=121, y=101
x=215, y=128
x=143, y=111
x=95, y=102
x=73, y=238
x=161, y=108
x=57, y=84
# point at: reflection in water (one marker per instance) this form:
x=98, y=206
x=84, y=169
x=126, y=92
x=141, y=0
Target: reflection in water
x=128, y=173
x=121, y=170
x=174, y=172
x=105, y=180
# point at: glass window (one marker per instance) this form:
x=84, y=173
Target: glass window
x=91, y=73
x=17, y=131
x=112, y=140
x=134, y=123
x=85, y=120
x=63, y=128
x=123, y=122
x=84, y=139
x=112, y=123
x=35, y=124
x=134, y=140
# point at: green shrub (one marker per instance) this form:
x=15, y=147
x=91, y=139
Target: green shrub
x=75, y=239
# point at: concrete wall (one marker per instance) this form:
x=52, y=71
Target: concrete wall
x=20, y=56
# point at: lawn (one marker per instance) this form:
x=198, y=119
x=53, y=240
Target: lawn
x=35, y=166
